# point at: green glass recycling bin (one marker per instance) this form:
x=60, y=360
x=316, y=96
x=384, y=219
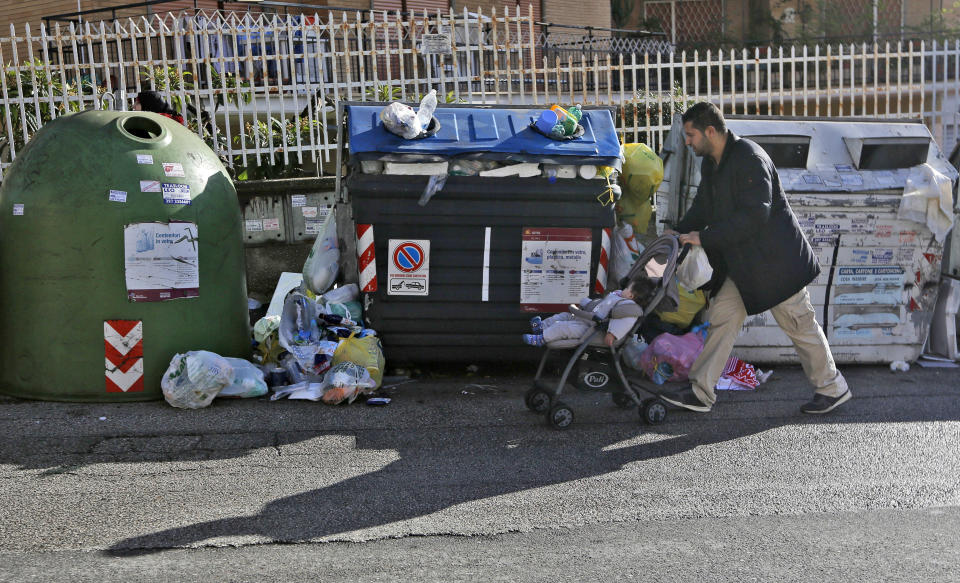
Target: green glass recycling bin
x=120, y=245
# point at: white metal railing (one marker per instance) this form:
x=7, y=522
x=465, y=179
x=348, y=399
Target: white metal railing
x=259, y=88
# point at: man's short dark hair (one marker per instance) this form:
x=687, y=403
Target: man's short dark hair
x=704, y=114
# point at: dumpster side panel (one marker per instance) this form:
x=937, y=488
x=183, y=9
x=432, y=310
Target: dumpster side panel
x=454, y=322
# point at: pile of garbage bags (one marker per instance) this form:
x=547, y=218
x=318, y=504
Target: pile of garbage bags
x=317, y=348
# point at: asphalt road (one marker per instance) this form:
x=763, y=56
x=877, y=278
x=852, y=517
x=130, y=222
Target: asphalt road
x=456, y=481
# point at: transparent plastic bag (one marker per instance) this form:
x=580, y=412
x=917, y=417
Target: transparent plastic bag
x=248, y=380
x=299, y=331
x=695, y=270
x=679, y=352
x=322, y=265
x=632, y=351
x=193, y=379
x=344, y=382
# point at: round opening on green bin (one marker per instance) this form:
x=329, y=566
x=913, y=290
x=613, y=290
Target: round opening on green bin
x=142, y=128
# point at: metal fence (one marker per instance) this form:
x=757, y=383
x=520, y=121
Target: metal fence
x=259, y=89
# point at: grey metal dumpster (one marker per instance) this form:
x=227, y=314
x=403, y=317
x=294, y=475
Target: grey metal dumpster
x=456, y=278
x=845, y=180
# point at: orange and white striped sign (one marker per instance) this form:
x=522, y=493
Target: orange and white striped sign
x=600, y=286
x=367, y=264
x=123, y=343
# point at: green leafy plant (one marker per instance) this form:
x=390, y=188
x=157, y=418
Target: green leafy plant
x=383, y=93
x=44, y=96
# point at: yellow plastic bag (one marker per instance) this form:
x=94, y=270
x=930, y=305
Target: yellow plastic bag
x=689, y=305
x=367, y=352
x=641, y=176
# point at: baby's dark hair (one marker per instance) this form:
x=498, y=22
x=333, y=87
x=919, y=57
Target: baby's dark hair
x=643, y=288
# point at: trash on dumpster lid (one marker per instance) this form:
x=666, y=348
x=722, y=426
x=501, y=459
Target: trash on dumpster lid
x=502, y=133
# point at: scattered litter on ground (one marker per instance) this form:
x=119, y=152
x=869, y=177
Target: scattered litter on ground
x=899, y=365
x=933, y=361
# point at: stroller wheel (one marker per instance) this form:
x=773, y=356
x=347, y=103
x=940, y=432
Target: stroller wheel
x=620, y=399
x=653, y=411
x=560, y=416
x=537, y=399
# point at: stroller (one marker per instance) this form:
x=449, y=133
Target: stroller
x=601, y=368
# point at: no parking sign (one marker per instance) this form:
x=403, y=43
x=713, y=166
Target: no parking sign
x=408, y=268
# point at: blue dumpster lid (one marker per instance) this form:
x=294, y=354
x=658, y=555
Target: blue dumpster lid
x=495, y=133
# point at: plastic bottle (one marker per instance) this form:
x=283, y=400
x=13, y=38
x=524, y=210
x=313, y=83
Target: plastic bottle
x=567, y=120
x=575, y=112
x=427, y=106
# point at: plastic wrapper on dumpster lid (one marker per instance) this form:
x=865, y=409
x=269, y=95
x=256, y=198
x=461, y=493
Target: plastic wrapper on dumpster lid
x=193, y=379
x=402, y=120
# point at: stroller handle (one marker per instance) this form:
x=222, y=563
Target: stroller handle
x=683, y=253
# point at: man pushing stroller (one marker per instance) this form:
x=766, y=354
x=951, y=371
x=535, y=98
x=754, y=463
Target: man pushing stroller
x=761, y=261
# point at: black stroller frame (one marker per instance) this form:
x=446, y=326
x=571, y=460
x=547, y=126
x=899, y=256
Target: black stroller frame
x=601, y=369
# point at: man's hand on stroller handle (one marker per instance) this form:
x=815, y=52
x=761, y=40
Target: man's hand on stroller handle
x=691, y=238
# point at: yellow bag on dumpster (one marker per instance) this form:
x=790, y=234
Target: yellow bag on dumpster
x=689, y=306
x=641, y=176
x=367, y=352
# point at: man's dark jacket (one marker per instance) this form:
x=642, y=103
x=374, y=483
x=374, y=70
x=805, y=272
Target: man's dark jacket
x=747, y=228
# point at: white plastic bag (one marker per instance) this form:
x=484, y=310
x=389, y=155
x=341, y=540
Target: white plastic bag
x=695, y=270
x=400, y=119
x=344, y=293
x=193, y=379
x=248, y=380
x=625, y=252
x=321, y=267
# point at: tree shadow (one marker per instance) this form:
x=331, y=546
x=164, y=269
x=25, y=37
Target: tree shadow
x=485, y=462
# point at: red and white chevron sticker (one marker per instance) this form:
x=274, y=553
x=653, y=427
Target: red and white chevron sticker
x=601, y=284
x=367, y=264
x=123, y=343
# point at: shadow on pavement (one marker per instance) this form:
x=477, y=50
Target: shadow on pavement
x=473, y=463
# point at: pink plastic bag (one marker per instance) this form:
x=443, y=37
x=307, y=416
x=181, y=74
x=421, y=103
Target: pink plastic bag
x=677, y=351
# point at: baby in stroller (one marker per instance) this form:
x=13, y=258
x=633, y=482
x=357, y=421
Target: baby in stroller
x=622, y=307
x=596, y=331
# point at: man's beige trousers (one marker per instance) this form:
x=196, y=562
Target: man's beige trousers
x=796, y=318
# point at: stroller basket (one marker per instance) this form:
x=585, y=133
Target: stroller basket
x=605, y=372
